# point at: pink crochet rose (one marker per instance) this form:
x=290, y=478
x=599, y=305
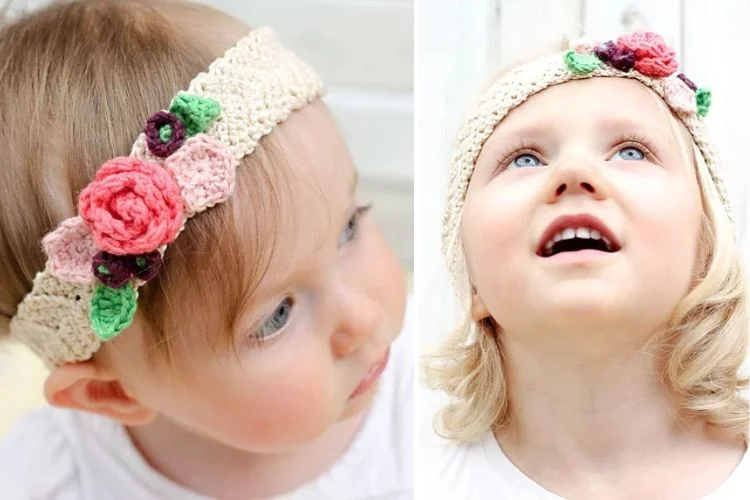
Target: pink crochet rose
x=653, y=57
x=132, y=206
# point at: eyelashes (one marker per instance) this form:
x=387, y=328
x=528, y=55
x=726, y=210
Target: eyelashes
x=527, y=147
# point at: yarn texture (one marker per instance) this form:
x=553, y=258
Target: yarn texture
x=132, y=206
x=195, y=112
x=182, y=163
x=654, y=66
x=69, y=250
x=165, y=133
x=112, y=310
x=205, y=171
x=581, y=64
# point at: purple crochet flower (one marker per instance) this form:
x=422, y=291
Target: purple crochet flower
x=146, y=266
x=623, y=59
x=115, y=271
x=688, y=82
x=112, y=270
x=606, y=51
x=165, y=133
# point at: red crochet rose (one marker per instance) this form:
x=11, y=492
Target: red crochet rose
x=653, y=57
x=132, y=206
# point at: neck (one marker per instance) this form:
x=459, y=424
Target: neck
x=589, y=409
x=217, y=470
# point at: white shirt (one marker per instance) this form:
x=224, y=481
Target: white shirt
x=480, y=470
x=70, y=455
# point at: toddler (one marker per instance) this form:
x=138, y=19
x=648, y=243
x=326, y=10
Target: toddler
x=590, y=240
x=219, y=313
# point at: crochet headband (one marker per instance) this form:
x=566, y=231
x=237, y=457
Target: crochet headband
x=642, y=56
x=181, y=164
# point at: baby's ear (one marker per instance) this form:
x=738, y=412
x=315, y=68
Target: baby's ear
x=91, y=387
x=478, y=309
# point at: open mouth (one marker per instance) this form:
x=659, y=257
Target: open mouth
x=574, y=233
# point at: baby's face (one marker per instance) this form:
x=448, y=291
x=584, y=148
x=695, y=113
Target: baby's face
x=604, y=151
x=323, y=316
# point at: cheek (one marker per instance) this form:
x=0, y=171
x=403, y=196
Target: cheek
x=378, y=267
x=495, y=227
x=271, y=403
x=664, y=232
x=667, y=231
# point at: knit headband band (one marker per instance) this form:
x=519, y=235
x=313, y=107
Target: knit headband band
x=183, y=163
x=641, y=55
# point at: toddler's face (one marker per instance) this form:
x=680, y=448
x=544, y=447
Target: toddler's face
x=599, y=156
x=323, y=317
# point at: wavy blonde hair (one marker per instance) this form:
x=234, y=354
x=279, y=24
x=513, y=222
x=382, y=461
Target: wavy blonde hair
x=703, y=346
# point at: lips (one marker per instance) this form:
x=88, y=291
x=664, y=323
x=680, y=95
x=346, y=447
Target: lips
x=576, y=221
x=375, y=371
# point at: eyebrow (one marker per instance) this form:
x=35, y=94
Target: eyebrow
x=609, y=124
x=355, y=182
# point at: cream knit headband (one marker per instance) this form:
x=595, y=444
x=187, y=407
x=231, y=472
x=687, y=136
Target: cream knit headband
x=183, y=163
x=642, y=56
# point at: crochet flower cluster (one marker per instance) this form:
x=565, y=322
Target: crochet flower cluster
x=136, y=205
x=648, y=54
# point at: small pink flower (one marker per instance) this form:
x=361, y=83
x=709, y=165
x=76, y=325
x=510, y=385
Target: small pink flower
x=584, y=46
x=70, y=248
x=205, y=170
x=653, y=56
x=132, y=206
x=679, y=96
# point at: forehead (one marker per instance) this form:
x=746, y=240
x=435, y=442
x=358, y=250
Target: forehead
x=602, y=100
x=318, y=178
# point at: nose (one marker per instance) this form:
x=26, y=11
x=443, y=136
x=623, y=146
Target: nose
x=358, y=317
x=576, y=175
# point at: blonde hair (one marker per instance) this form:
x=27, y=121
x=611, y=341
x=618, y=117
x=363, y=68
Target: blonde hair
x=78, y=81
x=703, y=346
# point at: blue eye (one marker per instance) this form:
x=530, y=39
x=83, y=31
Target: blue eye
x=526, y=160
x=630, y=153
x=276, y=321
x=352, y=226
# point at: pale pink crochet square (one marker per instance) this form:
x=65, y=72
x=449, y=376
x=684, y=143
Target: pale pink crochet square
x=205, y=170
x=70, y=249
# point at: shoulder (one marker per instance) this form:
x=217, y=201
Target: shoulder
x=36, y=459
x=737, y=485
x=445, y=465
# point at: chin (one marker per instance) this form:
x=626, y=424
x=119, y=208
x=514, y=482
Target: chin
x=597, y=307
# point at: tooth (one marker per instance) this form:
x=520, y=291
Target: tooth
x=596, y=235
x=568, y=234
x=557, y=237
x=548, y=246
x=583, y=232
x=607, y=242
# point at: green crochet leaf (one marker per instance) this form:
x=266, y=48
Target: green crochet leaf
x=112, y=310
x=581, y=64
x=195, y=112
x=703, y=101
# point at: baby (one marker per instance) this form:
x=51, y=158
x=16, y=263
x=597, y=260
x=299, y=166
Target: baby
x=590, y=240
x=219, y=313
